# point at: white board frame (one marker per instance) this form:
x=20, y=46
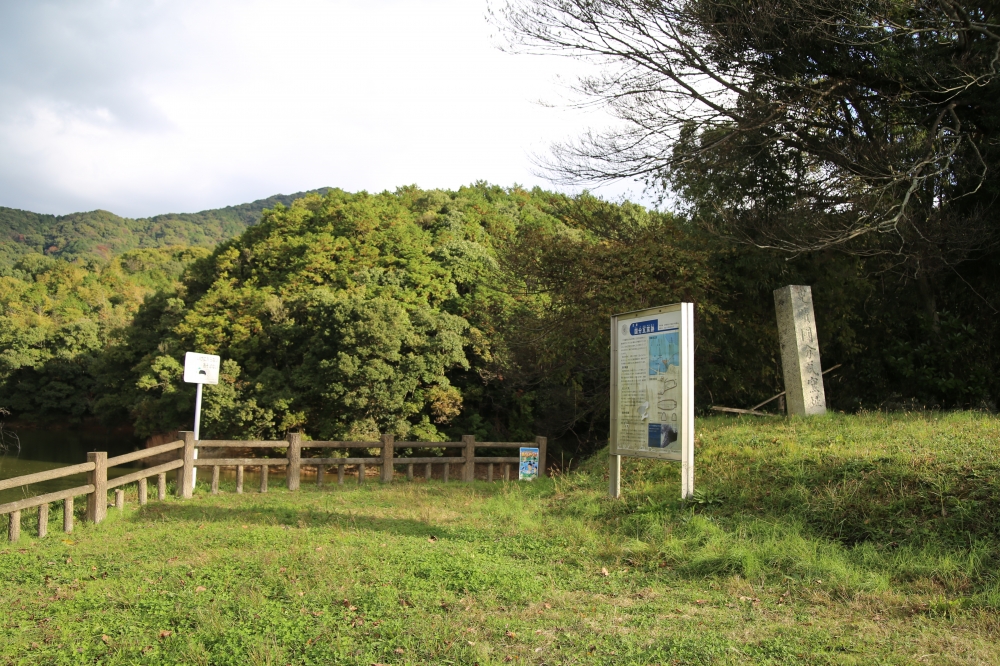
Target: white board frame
x=686, y=436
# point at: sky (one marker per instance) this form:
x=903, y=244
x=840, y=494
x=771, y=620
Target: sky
x=143, y=107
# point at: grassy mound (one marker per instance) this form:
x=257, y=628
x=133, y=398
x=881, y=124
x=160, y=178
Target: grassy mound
x=851, y=540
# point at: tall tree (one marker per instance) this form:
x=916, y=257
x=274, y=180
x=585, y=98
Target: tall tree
x=864, y=125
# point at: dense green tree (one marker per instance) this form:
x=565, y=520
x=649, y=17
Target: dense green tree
x=57, y=318
x=332, y=314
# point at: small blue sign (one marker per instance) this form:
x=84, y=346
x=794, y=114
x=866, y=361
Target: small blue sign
x=643, y=327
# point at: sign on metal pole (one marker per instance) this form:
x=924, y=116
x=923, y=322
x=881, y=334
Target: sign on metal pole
x=200, y=369
x=652, y=389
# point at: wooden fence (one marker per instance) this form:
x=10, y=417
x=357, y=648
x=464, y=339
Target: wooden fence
x=97, y=465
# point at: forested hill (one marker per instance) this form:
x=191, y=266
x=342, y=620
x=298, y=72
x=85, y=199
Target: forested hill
x=101, y=235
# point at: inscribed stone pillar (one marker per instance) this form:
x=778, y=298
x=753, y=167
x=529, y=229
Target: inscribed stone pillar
x=800, y=361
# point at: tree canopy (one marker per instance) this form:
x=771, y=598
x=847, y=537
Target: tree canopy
x=865, y=126
x=431, y=314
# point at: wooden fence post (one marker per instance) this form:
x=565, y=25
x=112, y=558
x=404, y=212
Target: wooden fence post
x=543, y=444
x=43, y=521
x=143, y=490
x=239, y=479
x=161, y=486
x=119, y=499
x=97, y=501
x=14, y=527
x=263, y=478
x=294, y=460
x=469, y=473
x=388, y=444
x=185, y=484
x=215, y=479
x=68, y=515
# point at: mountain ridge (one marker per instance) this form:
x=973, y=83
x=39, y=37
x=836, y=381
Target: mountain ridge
x=99, y=235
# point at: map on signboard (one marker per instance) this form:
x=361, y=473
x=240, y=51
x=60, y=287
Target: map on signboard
x=649, y=379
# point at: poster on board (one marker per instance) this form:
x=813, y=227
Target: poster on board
x=652, y=386
x=527, y=469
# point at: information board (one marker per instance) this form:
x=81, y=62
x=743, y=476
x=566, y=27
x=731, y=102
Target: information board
x=527, y=469
x=652, y=382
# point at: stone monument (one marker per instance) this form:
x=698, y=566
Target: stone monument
x=800, y=361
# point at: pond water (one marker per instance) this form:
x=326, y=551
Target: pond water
x=28, y=449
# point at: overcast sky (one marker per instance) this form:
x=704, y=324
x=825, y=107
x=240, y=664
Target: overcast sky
x=143, y=107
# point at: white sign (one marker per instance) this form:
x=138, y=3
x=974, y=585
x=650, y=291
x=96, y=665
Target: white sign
x=652, y=388
x=201, y=368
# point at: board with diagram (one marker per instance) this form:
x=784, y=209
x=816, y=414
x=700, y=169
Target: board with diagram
x=652, y=382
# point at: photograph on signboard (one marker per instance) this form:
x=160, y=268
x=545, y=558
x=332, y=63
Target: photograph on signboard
x=528, y=468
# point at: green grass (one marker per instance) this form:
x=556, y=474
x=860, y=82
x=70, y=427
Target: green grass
x=844, y=540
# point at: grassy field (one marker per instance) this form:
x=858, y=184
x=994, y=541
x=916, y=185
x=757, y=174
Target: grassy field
x=844, y=540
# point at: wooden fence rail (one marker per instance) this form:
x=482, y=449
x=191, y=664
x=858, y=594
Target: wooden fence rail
x=98, y=484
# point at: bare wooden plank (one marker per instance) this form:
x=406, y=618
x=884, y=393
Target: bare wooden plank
x=503, y=445
x=430, y=445
x=342, y=461
x=761, y=404
x=341, y=445
x=247, y=444
x=430, y=459
x=246, y=462
x=146, y=453
x=29, y=502
x=47, y=475
x=144, y=473
x=733, y=410
x=497, y=459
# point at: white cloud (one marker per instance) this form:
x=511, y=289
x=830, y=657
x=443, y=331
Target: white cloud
x=149, y=107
